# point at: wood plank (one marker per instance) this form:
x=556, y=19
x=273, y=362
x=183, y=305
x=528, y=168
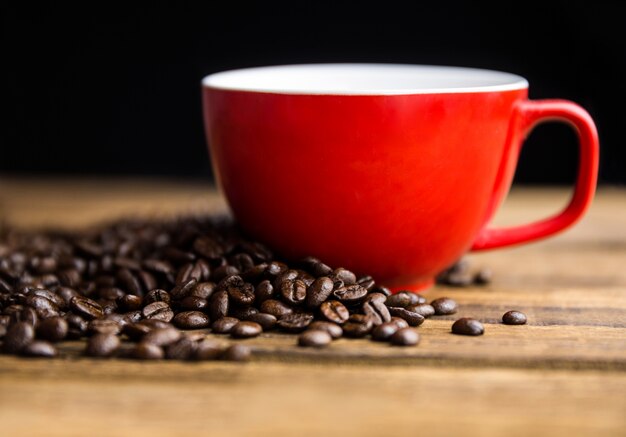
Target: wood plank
x=562, y=374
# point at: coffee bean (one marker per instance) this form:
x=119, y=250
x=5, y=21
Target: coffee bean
x=267, y=321
x=405, y=337
x=157, y=295
x=18, y=336
x=162, y=336
x=136, y=331
x=103, y=326
x=380, y=289
x=39, y=349
x=241, y=294
x=191, y=320
x=468, y=326
x=128, y=282
x=102, y=345
x=54, y=298
x=208, y=349
x=86, y=307
x=224, y=325
x=203, y=290
x=76, y=326
x=358, y=326
x=193, y=303
x=483, y=277
x=182, y=349
x=218, y=305
x=294, y=291
x=402, y=299
x=319, y=269
x=319, y=291
x=423, y=309
x=412, y=318
x=345, y=275
x=333, y=329
x=263, y=291
x=444, y=306
x=3, y=331
x=514, y=318
x=276, y=308
x=147, y=351
x=224, y=272
x=207, y=247
x=375, y=307
x=314, y=338
x=246, y=329
x=26, y=314
x=335, y=311
x=183, y=289
x=158, y=311
x=295, y=322
x=385, y=331
x=236, y=352
x=350, y=293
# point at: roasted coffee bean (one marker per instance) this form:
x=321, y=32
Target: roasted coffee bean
x=5, y=320
x=344, y=275
x=182, y=349
x=27, y=315
x=468, y=326
x=276, y=308
x=191, y=320
x=288, y=275
x=412, y=318
x=385, y=331
x=224, y=325
x=350, y=294
x=39, y=349
x=207, y=247
x=136, y=331
x=3, y=331
x=147, y=351
x=319, y=291
x=162, y=336
x=129, y=302
x=127, y=281
x=53, y=297
x=208, y=349
x=69, y=277
x=223, y=272
x=158, y=311
x=103, y=326
x=263, y=291
x=444, y=306
x=66, y=293
x=405, y=337
x=246, y=329
x=402, y=299
x=242, y=313
x=366, y=282
x=294, y=291
x=18, y=336
x=423, y=309
x=358, y=326
x=133, y=316
x=193, y=303
x=295, y=322
x=267, y=321
x=514, y=318
x=203, y=290
x=237, y=352
x=183, y=289
x=112, y=293
x=375, y=307
x=314, y=338
x=218, y=305
x=483, y=277
x=380, y=289
x=76, y=326
x=102, y=345
x=335, y=311
x=333, y=329
x=157, y=295
x=241, y=294
x=86, y=307
x=320, y=269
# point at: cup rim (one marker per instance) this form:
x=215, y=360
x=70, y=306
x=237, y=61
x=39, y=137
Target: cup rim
x=359, y=79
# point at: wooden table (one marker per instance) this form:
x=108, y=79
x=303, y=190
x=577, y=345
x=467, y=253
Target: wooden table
x=562, y=374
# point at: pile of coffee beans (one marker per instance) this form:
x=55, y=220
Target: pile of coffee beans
x=152, y=290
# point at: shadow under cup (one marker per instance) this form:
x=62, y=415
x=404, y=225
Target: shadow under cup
x=388, y=170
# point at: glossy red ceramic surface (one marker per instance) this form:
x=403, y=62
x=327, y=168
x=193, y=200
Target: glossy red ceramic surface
x=396, y=186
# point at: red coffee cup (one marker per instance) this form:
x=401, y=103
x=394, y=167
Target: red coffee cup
x=389, y=170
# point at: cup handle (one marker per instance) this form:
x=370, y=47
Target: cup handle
x=532, y=113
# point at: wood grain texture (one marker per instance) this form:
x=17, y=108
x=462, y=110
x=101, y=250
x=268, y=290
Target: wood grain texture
x=562, y=374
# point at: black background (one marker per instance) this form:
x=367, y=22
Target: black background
x=116, y=90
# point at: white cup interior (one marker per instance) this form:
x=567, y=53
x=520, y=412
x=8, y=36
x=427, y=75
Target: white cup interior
x=364, y=79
